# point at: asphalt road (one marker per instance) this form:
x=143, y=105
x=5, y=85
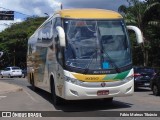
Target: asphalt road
x=28, y=100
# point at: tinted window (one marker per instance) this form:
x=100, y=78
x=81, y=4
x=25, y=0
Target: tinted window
x=57, y=23
x=47, y=32
x=39, y=35
x=15, y=68
x=6, y=69
x=146, y=70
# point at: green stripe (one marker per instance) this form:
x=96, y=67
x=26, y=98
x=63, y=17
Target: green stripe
x=109, y=77
x=122, y=75
x=117, y=77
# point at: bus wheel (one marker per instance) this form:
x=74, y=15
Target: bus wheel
x=34, y=88
x=56, y=100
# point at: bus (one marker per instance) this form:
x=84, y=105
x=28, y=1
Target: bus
x=79, y=54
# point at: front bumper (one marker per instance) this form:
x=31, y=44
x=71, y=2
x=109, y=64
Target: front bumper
x=75, y=92
x=142, y=83
x=16, y=74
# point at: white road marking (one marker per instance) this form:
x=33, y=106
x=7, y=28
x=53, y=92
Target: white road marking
x=30, y=96
x=1, y=97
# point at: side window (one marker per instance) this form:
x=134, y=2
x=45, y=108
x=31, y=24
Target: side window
x=40, y=35
x=7, y=69
x=58, y=22
x=47, y=32
x=59, y=51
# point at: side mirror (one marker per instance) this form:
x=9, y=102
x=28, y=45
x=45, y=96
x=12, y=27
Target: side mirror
x=1, y=53
x=61, y=36
x=138, y=32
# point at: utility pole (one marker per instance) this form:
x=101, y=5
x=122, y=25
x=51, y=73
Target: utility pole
x=61, y=6
x=14, y=60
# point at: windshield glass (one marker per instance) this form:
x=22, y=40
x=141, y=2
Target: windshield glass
x=96, y=44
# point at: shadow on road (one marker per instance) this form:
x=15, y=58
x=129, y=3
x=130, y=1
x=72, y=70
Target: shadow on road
x=141, y=89
x=83, y=105
x=1, y=79
x=91, y=105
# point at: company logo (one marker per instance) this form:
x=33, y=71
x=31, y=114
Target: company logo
x=103, y=84
x=21, y=114
x=6, y=114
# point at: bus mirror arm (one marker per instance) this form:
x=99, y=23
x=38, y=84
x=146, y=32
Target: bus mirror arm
x=61, y=36
x=138, y=32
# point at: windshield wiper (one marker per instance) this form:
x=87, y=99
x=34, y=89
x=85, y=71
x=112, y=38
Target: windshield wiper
x=112, y=62
x=102, y=59
x=109, y=58
x=87, y=66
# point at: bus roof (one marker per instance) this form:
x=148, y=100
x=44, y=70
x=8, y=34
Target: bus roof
x=85, y=13
x=89, y=14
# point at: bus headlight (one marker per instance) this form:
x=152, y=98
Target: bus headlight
x=129, y=78
x=73, y=81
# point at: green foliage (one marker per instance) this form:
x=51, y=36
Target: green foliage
x=145, y=15
x=13, y=41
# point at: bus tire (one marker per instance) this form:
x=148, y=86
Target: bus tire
x=34, y=88
x=56, y=100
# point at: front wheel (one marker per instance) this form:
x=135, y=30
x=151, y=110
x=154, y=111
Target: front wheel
x=34, y=88
x=23, y=76
x=56, y=100
x=156, y=90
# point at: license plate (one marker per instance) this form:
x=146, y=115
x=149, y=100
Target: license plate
x=146, y=84
x=103, y=92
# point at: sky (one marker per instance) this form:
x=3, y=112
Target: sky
x=27, y=8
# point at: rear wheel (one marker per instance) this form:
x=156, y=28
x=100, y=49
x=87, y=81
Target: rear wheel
x=9, y=76
x=23, y=76
x=156, y=90
x=56, y=100
x=1, y=76
x=34, y=88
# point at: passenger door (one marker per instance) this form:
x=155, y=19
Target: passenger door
x=6, y=71
x=58, y=71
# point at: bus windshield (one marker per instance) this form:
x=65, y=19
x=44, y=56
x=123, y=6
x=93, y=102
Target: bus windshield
x=96, y=44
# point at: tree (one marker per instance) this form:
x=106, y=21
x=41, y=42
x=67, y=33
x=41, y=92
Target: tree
x=13, y=41
x=141, y=14
x=153, y=10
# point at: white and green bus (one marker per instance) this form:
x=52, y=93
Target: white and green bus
x=82, y=54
